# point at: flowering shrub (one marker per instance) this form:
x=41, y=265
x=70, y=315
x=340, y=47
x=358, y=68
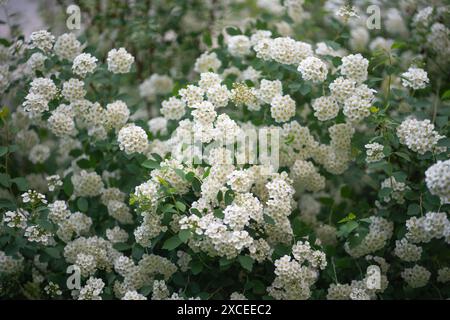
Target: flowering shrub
x=281, y=165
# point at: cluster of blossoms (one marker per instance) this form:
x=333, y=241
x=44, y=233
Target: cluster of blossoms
x=149, y=188
x=294, y=277
x=419, y=136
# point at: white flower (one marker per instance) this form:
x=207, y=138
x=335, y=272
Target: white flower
x=269, y=89
x=419, y=136
x=158, y=125
x=119, y=61
x=173, y=108
x=83, y=64
x=282, y=108
x=117, y=114
x=239, y=46
x=73, y=90
x=416, y=277
x=325, y=108
x=43, y=87
x=39, y=153
x=355, y=66
x=313, y=69
x=206, y=62
x=415, y=78
x=374, y=152
x=67, y=46
x=437, y=178
x=132, y=139
x=42, y=40
x=87, y=184
x=16, y=219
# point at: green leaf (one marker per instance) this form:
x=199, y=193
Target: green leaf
x=5, y=203
x=196, y=267
x=246, y=262
x=168, y=208
x=68, y=186
x=347, y=228
x=180, y=206
x=84, y=164
x=3, y=151
x=400, y=176
x=218, y=213
x=229, y=197
x=196, y=185
x=441, y=121
x=122, y=246
x=184, y=235
x=446, y=95
x=346, y=192
x=444, y=143
x=150, y=164
x=351, y=216
x=385, y=192
x=82, y=204
x=403, y=155
x=52, y=252
x=220, y=196
x=207, y=39
x=172, y=243
x=206, y=173
x=190, y=176
x=269, y=220
x=398, y=45
x=5, y=180
x=233, y=31
x=223, y=262
x=180, y=173
x=21, y=183
x=413, y=209
x=305, y=89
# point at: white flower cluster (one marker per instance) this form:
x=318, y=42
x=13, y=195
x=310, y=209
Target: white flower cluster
x=67, y=46
x=354, y=67
x=313, y=69
x=173, y=108
x=132, y=138
x=42, y=90
x=61, y=122
x=419, y=136
x=415, y=78
x=87, y=184
x=119, y=61
x=155, y=85
x=239, y=46
x=283, y=50
x=294, y=277
x=397, y=189
x=73, y=90
x=407, y=251
x=207, y=62
x=363, y=289
x=434, y=225
x=83, y=64
x=380, y=231
x=325, y=108
x=117, y=114
x=374, y=152
x=10, y=265
x=437, y=178
x=42, y=40
x=416, y=277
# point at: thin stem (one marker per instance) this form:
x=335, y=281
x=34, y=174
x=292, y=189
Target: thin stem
x=436, y=101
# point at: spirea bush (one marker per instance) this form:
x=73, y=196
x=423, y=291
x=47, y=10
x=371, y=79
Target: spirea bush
x=300, y=156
